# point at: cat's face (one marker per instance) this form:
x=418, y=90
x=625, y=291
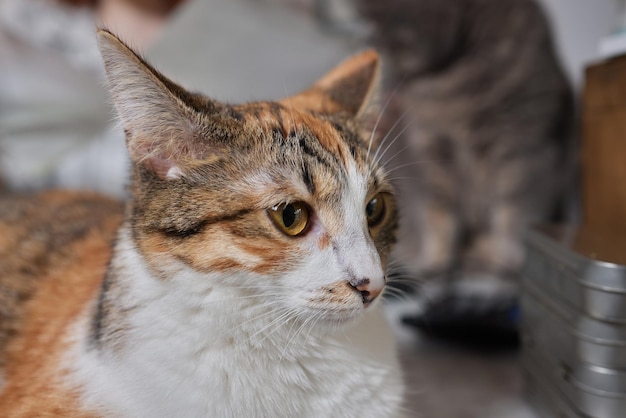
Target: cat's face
x=277, y=199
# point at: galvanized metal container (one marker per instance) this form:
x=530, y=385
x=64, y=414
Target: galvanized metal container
x=574, y=322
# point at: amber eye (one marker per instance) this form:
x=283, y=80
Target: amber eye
x=375, y=210
x=290, y=218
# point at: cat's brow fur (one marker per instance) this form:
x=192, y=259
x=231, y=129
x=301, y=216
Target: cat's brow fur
x=191, y=302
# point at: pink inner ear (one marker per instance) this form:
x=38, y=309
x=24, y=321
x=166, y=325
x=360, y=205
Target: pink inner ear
x=164, y=168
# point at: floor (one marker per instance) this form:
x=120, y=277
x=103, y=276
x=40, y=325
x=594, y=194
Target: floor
x=448, y=380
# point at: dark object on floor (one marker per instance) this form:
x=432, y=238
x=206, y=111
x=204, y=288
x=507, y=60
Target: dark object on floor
x=476, y=324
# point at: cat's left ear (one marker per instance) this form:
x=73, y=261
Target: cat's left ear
x=346, y=89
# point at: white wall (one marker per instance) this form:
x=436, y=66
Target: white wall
x=578, y=26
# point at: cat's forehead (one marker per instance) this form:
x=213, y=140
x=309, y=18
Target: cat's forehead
x=296, y=154
x=336, y=136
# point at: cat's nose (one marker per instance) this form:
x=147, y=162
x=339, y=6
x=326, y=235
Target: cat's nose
x=369, y=289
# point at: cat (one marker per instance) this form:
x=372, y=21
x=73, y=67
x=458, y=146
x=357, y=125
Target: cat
x=243, y=277
x=483, y=116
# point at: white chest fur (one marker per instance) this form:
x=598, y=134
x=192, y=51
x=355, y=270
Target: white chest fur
x=215, y=353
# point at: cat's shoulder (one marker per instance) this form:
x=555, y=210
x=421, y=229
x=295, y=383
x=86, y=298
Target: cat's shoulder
x=38, y=231
x=53, y=245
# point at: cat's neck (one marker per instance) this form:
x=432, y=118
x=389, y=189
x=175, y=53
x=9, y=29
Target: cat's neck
x=187, y=302
x=158, y=347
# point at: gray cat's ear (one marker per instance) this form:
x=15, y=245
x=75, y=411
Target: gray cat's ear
x=161, y=127
x=347, y=89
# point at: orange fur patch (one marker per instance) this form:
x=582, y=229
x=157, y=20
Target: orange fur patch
x=340, y=293
x=34, y=377
x=324, y=241
x=218, y=249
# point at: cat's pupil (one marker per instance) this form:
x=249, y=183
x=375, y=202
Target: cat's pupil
x=290, y=213
x=371, y=206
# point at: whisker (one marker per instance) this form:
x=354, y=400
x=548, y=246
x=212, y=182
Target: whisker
x=258, y=295
x=395, y=179
x=257, y=317
x=397, y=294
x=270, y=324
x=380, y=115
x=291, y=314
x=432, y=161
x=290, y=338
x=298, y=331
x=246, y=286
x=377, y=157
x=293, y=324
x=404, y=148
x=318, y=317
x=403, y=280
x=389, y=132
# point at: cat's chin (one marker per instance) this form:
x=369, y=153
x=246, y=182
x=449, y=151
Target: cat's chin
x=332, y=318
x=334, y=314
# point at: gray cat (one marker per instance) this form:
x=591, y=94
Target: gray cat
x=484, y=115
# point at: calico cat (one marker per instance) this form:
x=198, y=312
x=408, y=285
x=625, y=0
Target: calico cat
x=242, y=279
x=484, y=115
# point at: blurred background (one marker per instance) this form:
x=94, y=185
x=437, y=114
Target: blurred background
x=57, y=127
x=53, y=108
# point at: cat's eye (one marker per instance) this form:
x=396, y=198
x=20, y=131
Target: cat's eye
x=291, y=218
x=375, y=210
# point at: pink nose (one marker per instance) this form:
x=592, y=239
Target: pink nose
x=368, y=291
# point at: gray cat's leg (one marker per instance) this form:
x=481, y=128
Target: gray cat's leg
x=523, y=192
x=429, y=226
x=440, y=225
x=499, y=248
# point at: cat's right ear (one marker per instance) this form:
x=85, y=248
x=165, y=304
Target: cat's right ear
x=348, y=88
x=161, y=128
